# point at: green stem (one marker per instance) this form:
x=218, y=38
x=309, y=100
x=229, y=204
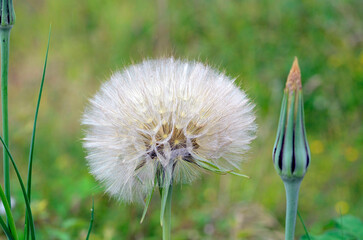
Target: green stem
x=292, y=187
x=9, y=215
x=5, y=37
x=167, y=216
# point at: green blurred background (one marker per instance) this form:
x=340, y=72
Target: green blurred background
x=254, y=41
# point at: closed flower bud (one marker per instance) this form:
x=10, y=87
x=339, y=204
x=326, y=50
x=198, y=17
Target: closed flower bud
x=291, y=153
x=7, y=14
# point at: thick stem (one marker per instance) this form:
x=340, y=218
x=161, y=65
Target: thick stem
x=5, y=37
x=167, y=216
x=292, y=187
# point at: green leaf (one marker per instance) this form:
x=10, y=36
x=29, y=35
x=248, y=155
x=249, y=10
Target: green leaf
x=27, y=204
x=9, y=217
x=214, y=168
x=147, y=202
x=32, y=142
x=31, y=152
x=239, y=174
x=346, y=228
x=302, y=222
x=334, y=234
x=350, y=225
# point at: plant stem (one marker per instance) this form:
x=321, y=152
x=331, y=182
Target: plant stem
x=5, y=37
x=167, y=216
x=292, y=187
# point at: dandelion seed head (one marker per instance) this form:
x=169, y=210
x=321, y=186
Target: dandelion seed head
x=162, y=117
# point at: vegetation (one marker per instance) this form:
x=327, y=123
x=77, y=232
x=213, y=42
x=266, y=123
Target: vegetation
x=254, y=41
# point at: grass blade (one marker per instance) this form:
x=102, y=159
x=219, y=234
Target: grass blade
x=302, y=222
x=92, y=218
x=31, y=152
x=9, y=215
x=32, y=142
x=147, y=202
x=6, y=229
x=27, y=204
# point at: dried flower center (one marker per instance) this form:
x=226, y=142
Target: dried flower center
x=175, y=139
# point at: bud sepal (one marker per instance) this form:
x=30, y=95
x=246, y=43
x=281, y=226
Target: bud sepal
x=291, y=154
x=7, y=14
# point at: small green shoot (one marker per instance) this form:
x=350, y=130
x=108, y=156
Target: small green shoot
x=9, y=215
x=6, y=229
x=92, y=218
x=305, y=229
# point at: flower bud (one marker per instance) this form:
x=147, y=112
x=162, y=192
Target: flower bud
x=291, y=153
x=7, y=14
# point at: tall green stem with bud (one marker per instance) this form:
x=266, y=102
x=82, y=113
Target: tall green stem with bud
x=7, y=20
x=291, y=154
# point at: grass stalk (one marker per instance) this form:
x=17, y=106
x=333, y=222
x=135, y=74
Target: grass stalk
x=92, y=219
x=32, y=142
x=6, y=229
x=305, y=229
x=7, y=20
x=27, y=204
x=5, y=38
x=9, y=215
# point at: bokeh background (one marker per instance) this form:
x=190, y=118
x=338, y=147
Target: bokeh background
x=254, y=41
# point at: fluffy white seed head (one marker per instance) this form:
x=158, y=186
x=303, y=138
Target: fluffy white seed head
x=160, y=118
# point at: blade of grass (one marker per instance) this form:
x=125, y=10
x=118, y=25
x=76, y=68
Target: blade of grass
x=302, y=222
x=31, y=152
x=9, y=215
x=27, y=204
x=92, y=218
x=6, y=229
x=32, y=142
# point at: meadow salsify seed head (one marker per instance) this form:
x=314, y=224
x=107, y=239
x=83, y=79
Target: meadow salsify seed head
x=165, y=120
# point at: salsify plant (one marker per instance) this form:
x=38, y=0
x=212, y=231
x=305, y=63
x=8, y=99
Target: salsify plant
x=291, y=153
x=161, y=122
